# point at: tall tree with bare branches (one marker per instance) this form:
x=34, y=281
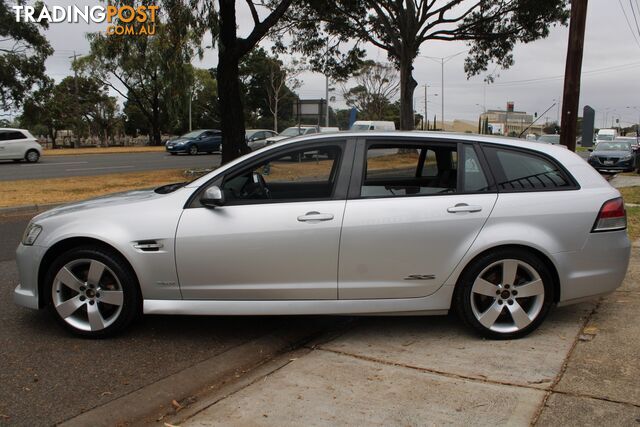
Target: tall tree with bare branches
x=376, y=86
x=402, y=27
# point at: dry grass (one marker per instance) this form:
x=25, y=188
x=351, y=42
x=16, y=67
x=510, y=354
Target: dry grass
x=101, y=150
x=62, y=190
x=632, y=195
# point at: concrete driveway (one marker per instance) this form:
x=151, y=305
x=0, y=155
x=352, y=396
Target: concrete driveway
x=580, y=368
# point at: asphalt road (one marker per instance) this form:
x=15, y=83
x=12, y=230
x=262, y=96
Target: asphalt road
x=47, y=375
x=99, y=164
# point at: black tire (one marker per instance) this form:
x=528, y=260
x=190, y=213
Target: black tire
x=174, y=154
x=462, y=300
x=131, y=306
x=32, y=156
x=193, y=150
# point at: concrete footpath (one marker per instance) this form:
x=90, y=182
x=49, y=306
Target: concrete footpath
x=580, y=368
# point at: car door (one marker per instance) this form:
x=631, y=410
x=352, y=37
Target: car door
x=14, y=144
x=413, y=211
x=278, y=234
x=3, y=144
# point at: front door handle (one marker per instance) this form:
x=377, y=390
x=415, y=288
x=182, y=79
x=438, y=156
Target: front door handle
x=315, y=217
x=463, y=207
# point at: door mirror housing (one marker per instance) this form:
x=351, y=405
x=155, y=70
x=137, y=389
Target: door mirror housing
x=212, y=197
x=590, y=150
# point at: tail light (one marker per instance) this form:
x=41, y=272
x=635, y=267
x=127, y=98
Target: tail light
x=612, y=216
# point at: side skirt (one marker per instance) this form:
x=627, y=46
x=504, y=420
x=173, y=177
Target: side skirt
x=435, y=304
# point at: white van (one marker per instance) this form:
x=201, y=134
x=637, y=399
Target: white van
x=606, y=135
x=361, y=125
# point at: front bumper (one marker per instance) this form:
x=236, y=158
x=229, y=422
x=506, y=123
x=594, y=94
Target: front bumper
x=28, y=259
x=176, y=148
x=616, y=166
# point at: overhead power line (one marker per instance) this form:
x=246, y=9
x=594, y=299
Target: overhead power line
x=633, y=33
x=635, y=17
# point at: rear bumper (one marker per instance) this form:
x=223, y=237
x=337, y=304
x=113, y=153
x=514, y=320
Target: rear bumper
x=598, y=268
x=618, y=166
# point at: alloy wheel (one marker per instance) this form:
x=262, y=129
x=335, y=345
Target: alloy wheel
x=507, y=296
x=32, y=156
x=87, y=295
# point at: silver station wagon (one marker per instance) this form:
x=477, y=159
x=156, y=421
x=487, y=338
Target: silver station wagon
x=499, y=230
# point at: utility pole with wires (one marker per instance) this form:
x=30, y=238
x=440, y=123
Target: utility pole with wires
x=571, y=93
x=77, y=92
x=424, y=120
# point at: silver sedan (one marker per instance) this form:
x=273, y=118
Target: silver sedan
x=498, y=230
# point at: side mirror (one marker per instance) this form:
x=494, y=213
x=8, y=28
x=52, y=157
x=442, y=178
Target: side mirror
x=590, y=150
x=212, y=197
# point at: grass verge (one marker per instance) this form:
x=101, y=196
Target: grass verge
x=632, y=195
x=101, y=150
x=63, y=190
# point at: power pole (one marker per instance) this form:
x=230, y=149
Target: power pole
x=573, y=69
x=425, y=107
x=77, y=93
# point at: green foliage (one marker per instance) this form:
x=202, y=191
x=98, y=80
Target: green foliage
x=155, y=71
x=23, y=51
x=376, y=85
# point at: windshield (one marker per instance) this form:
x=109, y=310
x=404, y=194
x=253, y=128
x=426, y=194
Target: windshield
x=550, y=139
x=295, y=131
x=613, y=146
x=192, y=135
x=361, y=127
x=605, y=137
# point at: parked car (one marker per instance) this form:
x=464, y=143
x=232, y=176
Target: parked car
x=498, y=230
x=257, y=138
x=379, y=125
x=614, y=156
x=549, y=139
x=18, y=145
x=291, y=132
x=198, y=141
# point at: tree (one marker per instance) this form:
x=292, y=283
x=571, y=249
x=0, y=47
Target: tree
x=204, y=105
x=231, y=49
x=282, y=80
x=23, y=51
x=154, y=70
x=377, y=85
x=401, y=27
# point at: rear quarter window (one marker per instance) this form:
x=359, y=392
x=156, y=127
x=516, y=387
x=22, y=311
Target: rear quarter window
x=519, y=170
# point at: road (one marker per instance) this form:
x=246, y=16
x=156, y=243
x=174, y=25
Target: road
x=99, y=164
x=47, y=375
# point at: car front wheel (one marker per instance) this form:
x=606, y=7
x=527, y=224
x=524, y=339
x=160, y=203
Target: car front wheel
x=505, y=294
x=93, y=292
x=32, y=156
x=193, y=150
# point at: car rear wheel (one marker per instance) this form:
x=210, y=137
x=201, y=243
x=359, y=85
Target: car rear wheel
x=32, y=156
x=193, y=150
x=505, y=294
x=93, y=292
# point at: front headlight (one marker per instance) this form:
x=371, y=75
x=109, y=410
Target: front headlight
x=625, y=158
x=31, y=234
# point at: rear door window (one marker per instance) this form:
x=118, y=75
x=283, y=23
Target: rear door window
x=517, y=170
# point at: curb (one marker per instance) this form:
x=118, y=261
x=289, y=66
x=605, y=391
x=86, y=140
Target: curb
x=155, y=400
x=27, y=208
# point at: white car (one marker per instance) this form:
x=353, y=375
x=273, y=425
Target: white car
x=19, y=144
x=291, y=132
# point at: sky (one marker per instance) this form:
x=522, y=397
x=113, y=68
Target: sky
x=610, y=82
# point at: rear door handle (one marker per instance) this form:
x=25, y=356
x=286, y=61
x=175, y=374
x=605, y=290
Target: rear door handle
x=463, y=207
x=315, y=217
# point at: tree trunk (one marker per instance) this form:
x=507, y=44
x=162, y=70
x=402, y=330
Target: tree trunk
x=229, y=97
x=275, y=115
x=407, y=86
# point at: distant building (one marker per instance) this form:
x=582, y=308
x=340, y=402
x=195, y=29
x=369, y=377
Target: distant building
x=509, y=122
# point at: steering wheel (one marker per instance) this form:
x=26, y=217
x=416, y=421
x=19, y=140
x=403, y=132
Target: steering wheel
x=256, y=188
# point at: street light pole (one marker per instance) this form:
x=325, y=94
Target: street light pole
x=443, y=60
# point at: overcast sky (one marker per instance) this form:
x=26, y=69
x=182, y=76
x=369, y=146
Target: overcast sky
x=610, y=82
